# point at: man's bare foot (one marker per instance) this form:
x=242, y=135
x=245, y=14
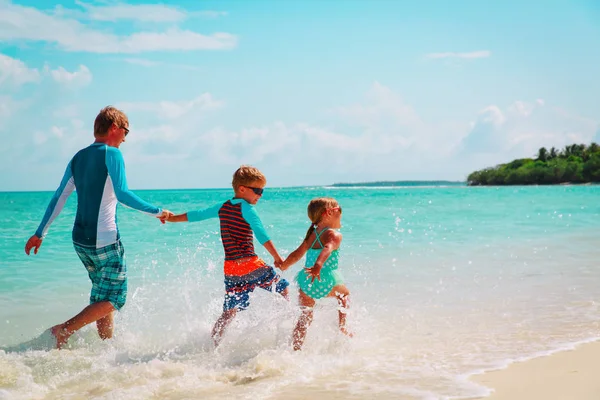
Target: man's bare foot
x=346, y=331
x=61, y=334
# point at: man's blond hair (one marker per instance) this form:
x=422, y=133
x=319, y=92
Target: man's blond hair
x=106, y=117
x=247, y=175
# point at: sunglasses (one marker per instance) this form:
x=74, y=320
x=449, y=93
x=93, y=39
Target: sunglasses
x=333, y=208
x=257, y=191
x=126, y=130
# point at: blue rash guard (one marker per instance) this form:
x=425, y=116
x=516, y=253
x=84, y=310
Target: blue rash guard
x=239, y=221
x=97, y=173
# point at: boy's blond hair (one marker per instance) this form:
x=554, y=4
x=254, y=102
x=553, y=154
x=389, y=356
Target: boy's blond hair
x=247, y=175
x=106, y=117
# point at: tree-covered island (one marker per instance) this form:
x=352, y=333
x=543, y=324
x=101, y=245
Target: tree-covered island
x=576, y=163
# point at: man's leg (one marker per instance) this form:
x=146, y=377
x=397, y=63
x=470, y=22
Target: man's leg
x=91, y=313
x=105, y=326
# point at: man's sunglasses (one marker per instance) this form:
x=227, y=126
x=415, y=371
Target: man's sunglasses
x=257, y=191
x=126, y=130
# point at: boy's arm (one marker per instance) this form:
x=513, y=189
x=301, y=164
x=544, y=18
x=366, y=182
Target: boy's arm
x=251, y=216
x=176, y=218
x=295, y=256
x=198, y=215
x=273, y=251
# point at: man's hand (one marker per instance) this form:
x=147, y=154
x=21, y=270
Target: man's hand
x=34, y=242
x=166, y=214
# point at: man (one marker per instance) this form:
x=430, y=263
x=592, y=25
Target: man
x=97, y=172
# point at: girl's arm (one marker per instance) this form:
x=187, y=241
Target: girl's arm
x=332, y=242
x=295, y=256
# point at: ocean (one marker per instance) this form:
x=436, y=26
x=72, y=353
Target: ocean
x=445, y=282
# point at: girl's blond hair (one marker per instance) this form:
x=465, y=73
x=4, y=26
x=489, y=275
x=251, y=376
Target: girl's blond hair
x=316, y=208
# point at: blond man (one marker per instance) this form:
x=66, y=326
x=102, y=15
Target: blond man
x=97, y=172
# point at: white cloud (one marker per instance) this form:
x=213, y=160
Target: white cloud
x=19, y=23
x=521, y=129
x=149, y=64
x=466, y=55
x=16, y=72
x=142, y=61
x=209, y=13
x=157, y=13
x=175, y=109
x=140, y=12
x=81, y=77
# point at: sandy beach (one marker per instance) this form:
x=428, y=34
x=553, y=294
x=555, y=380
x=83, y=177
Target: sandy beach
x=566, y=375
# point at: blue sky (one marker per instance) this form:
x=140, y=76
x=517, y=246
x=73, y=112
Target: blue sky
x=311, y=92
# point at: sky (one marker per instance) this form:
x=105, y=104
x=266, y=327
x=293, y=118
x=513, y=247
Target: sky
x=310, y=92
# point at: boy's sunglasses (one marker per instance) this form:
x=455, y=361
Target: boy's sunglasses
x=126, y=130
x=257, y=191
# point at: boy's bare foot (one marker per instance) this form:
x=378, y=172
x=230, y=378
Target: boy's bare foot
x=61, y=334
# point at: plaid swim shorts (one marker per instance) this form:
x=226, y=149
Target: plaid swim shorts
x=238, y=288
x=108, y=272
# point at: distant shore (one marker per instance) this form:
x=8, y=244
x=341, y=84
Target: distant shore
x=399, y=183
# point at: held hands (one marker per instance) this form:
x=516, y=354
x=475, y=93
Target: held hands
x=279, y=263
x=166, y=214
x=34, y=242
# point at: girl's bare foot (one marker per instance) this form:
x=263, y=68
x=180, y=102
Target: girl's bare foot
x=61, y=334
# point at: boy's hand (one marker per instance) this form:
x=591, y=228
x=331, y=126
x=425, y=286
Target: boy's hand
x=166, y=214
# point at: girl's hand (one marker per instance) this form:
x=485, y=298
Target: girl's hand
x=314, y=272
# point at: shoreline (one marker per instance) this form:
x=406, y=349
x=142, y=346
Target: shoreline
x=569, y=373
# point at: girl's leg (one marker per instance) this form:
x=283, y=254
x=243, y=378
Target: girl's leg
x=307, y=304
x=342, y=294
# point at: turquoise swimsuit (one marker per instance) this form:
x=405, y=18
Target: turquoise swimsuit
x=330, y=275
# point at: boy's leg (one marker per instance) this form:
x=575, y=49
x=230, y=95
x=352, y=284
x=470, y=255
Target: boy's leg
x=272, y=278
x=307, y=304
x=222, y=323
x=91, y=313
x=342, y=294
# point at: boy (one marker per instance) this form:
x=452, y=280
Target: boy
x=244, y=270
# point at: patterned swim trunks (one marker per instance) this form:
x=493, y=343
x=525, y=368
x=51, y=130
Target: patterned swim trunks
x=108, y=272
x=238, y=288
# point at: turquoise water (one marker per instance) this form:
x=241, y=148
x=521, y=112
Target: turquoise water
x=445, y=282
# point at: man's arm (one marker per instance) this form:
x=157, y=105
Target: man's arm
x=54, y=208
x=116, y=171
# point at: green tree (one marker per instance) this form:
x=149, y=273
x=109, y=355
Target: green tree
x=542, y=154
